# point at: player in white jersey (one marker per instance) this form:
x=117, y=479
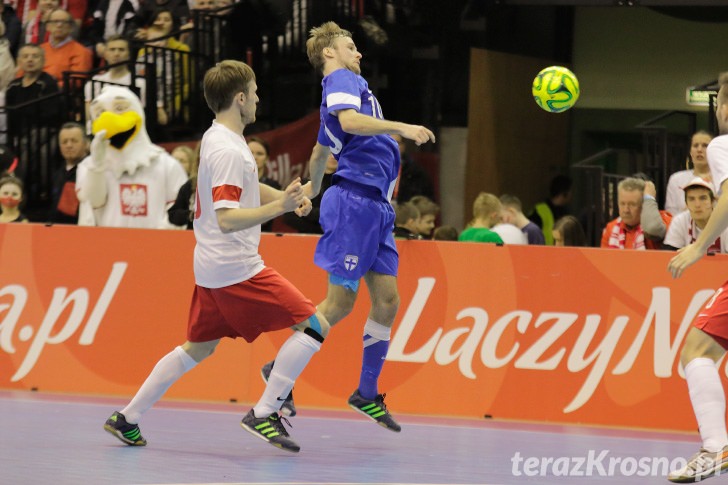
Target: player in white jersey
x=235, y=294
x=707, y=340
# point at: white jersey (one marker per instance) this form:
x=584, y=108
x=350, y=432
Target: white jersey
x=140, y=200
x=227, y=178
x=684, y=231
x=718, y=161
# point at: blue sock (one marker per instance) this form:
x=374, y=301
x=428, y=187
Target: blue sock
x=375, y=351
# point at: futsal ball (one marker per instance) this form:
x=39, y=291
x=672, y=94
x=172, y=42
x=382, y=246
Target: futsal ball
x=555, y=89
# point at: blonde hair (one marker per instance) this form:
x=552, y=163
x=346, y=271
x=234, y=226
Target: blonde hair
x=223, y=81
x=320, y=38
x=485, y=205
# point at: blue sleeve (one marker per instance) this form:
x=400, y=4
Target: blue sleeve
x=322, y=138
x=341, y=91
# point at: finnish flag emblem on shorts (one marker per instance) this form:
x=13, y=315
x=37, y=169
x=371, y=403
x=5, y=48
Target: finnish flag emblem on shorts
x=351, y=262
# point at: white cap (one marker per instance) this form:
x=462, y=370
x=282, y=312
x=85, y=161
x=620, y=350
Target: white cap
x=699, y=182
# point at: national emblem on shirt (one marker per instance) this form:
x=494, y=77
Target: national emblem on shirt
x=133, y=199
x=351, y=262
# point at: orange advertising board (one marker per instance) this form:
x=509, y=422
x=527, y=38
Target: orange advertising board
x=537, y=333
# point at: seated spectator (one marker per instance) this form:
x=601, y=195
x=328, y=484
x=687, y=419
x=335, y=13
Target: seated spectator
x=261, y=152
x=172, y=68
x=182, y=212
x=116, y=55
x=640, y=224
x=27, y=125
x=62, y=53
x=405, y=221
x=309, y=224
x=687, y=225
x=35, y=27
x=74, y=147
x=675, y=197
x=13, y=28
x=486, y=214
x=413, y=180
x=186, y=157
x=445, y=233
x=11, y=196
x=568, y=232
x=513, y=214
x=428, y=213
x=545, y=213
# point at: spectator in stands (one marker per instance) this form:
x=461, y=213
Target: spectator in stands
x=186, y=157
x=486, y=214
x=182, y=212
x=27, y=125
x=568, y=232
x=413, y=180
x=513, y=214
x=545, y=213
x=112, y=18
x=687, y=225
x=7, y=74
x=261, y=153
x=74, y=147
x=428, y=213
x=163, y=19
x=11, y=196
x=406, y=217
x=172, y=69
x=62, y=53
x=640, y=224
x=309, y=224
x=445, y=233
x=13, y=28
x=675, y=197
x=117, y=55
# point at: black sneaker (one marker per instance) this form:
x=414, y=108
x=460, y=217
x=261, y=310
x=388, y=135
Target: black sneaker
x=270, y=429
x=128, y=433
x=287, y=408
x=374, y=409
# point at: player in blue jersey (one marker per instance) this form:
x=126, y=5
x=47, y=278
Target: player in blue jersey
x=356, y=213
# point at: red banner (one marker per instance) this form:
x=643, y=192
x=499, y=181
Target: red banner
x=538, y=333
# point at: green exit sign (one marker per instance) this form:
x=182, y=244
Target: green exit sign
x=698, y=97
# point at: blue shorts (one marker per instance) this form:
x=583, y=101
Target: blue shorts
x=357, y=223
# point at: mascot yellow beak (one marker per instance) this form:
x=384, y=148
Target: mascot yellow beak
x=120, y=128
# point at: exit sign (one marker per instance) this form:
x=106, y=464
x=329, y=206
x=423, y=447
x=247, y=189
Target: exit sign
x=698, y=97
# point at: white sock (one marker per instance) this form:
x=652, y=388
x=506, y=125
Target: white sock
x=708, y=399
x=169, y=368
x=377, y=330
x=295, y=353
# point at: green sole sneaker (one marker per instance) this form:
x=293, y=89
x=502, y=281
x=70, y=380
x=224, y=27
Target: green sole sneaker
x=374, y=409
x=270, y=430
x=129, y=434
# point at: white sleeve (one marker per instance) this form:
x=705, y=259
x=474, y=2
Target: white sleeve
x=718, y=161
x=677, y=234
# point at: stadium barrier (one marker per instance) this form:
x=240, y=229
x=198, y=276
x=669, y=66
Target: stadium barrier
x=564, y=335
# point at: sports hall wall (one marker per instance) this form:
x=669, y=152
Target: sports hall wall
x=566, y=335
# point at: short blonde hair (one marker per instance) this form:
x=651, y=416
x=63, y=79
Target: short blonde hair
x=486, y=204
x=320, y=38
x=223, y=81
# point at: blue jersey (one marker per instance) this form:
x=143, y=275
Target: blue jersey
x=368, y=160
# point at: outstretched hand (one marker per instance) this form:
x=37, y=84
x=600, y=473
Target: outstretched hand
x=293, y=195
x=685, y=258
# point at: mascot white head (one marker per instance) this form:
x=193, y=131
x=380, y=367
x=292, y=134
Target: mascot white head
x=118, y=111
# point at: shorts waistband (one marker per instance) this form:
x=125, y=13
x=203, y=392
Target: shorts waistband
x=359, y=189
